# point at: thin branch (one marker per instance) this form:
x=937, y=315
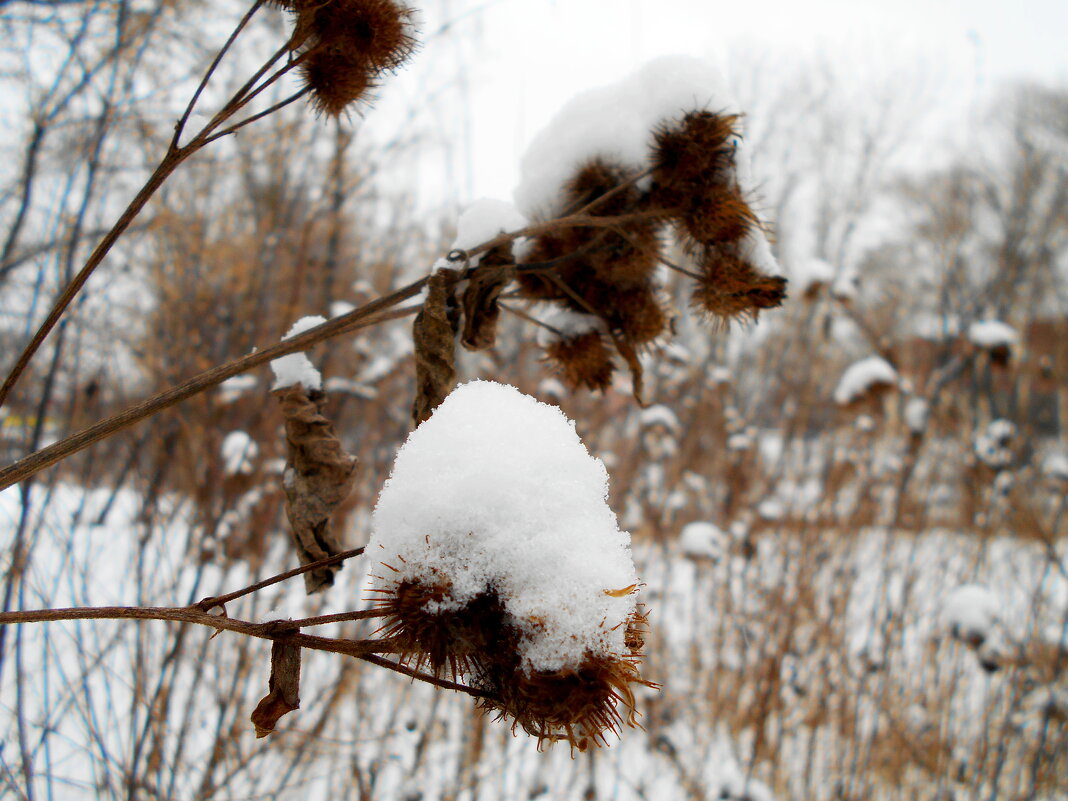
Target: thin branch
x=360, y=318
x=366, y=650
x=221, y=600
x=180, y=125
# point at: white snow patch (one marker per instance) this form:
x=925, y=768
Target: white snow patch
x=862, y=376
x=615, y=122
x=805, y=273
x=1055, y=465
x=495, y=491
x=702, y=540
x=239, y=451
x=570, y=325
x=659, y=415
x=917, y=412
x=233, y=388
x=482, y=221
x=992, y=334
x=970, y=612
x=340, y=307
x=296, y=368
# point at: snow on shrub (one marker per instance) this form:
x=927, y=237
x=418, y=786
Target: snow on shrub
x=238, y=451
x=502, y=562
x=917, y=413
x=700, y=540
x=993, y=446
x=862, y=377
x=970, y=613
x=296, y=368
x=482, y=221
x=990, y=334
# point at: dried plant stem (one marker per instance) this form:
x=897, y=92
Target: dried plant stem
x=359, y=318
x=370, y=314
x=176, y=154
x=222, y=600
x=366, y=650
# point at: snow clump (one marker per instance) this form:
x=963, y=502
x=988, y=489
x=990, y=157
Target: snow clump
x=239, y=451
x=990, y=334
x=863, y=376
x=993, y=447
x=296, y=368
x=617, y=122
x=917, y=412
x=700, y=540
x=482, y=221
x=495, y=493
x=971, y=612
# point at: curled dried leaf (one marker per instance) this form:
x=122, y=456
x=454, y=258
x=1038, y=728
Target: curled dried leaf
x=319, y=476
x=481, y=311
x=434, y=332
x=283, y=688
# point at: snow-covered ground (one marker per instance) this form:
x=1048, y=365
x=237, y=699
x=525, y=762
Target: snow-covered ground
x=802, y=666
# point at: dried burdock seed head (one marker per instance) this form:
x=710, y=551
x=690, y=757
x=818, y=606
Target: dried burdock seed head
x=731, y=287
x=696, y=150
x=628, y=258
x=335, y=82
x=639, y=314
x=539, y=285
x=579, y=705
x=717, y=215
x=583, y=361
x=597, y=178
x=346, y=44
x=379, y=34
x=430, y=631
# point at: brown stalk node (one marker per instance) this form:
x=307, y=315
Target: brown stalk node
x=583, y=361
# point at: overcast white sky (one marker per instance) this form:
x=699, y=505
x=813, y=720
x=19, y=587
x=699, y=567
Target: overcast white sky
x=524, y=58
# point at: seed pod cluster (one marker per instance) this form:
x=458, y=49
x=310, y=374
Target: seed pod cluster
x=346, y=45
x=480, y=643
x=609, y=271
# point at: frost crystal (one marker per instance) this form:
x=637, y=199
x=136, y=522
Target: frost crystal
x=495, y=493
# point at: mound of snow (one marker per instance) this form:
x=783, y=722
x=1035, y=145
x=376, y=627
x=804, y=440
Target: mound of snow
x=296, y=368
x=239, y=451
x=483, y=220
x=862, y=376
x=703, y=541
x=989, y=334
x=970, y=613
x=495, y=491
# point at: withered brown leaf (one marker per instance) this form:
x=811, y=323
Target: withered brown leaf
x=319, y=476
x=283, y=688
x=434, y=332
x=481, y=311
